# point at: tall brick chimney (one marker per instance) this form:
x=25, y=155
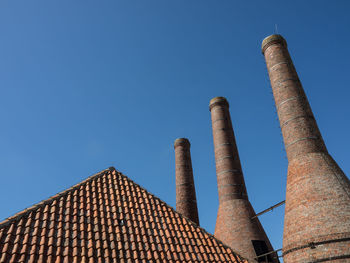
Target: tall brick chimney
x=234, y=224
x=317, y=213
x=186, y=202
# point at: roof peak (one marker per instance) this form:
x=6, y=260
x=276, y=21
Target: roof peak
x=108, y=203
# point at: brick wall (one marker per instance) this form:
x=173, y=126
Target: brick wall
x=317, y=214
x=186, y=202
x=234, y=225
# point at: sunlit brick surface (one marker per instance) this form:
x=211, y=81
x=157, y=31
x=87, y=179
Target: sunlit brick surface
x=234, y=225
x=106, y=218
x=317, y=214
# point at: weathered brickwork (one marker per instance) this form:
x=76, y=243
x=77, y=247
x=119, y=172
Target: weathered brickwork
x=234, y=225
x=186, y=202
x=317, y=214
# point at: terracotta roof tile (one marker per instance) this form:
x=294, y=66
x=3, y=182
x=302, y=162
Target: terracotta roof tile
x=107, y=218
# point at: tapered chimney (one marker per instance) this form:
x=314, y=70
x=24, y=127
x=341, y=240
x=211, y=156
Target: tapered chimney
x=234, y=224
x=317, y=213
x=186, y=202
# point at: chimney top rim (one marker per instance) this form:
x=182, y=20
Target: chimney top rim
x=218, y=101
x=272, y=39
x=182, y=141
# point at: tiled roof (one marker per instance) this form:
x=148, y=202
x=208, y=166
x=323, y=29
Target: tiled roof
x=107, y=218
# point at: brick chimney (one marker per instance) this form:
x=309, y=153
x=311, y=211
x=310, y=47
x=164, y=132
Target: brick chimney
x=186, y=202
x=234, y=224
x=317, y=213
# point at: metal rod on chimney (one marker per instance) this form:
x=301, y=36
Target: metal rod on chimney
x=269, y=209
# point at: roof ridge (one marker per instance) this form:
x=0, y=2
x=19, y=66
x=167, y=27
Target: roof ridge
x=25, y=211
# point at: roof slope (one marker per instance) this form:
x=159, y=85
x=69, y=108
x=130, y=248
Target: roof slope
x=107, y=218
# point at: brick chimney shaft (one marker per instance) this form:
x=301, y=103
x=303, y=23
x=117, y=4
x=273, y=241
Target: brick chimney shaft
x=318, y=192
x=228, y=166
x=234, y=225
x=186, y=202
x=299, y=128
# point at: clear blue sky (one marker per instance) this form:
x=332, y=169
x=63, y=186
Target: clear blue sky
x=90, y=84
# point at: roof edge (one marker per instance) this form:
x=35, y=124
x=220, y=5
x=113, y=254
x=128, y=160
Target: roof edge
x=50, y=199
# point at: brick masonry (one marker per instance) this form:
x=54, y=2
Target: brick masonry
x=317, y=214
x=186, y=202
x=234, y=225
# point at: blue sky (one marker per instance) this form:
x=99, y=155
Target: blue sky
x=86, y=85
